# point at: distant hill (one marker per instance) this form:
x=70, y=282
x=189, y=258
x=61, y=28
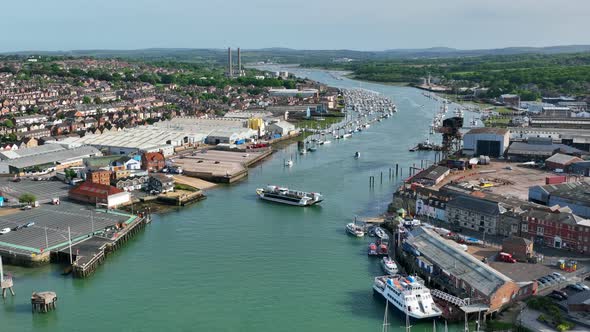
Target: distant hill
x=287, y=55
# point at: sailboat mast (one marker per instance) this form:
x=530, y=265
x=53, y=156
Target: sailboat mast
x=385, y=322
x=408, y=326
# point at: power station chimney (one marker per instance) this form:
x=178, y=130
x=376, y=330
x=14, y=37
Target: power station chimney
x=239, y=63
x=230, y=70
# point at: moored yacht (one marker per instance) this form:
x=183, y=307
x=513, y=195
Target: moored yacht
x=389, y=266
x=407, y=294
x=355, y=230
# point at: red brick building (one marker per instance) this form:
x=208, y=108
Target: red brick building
x=558, y=228
x=96, y=193
x=100, y=177
x=153, y=161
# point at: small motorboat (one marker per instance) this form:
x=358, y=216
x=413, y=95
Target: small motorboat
x=372, y=249
x=357, y=155
x=312, y=149
x=326, y=142
x=383, y=249
x=381, y=233
x=289, y=163
x=303, y=151
x=355, y=230
x=389, y=266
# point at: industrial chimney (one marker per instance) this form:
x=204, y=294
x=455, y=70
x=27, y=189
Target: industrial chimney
x=230, y=70
x=239, y=63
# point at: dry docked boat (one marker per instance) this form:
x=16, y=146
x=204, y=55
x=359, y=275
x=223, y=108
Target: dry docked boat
x=408, y=295
x=287, y=196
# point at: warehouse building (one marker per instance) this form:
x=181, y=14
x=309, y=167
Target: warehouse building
x=572, y=194
x=282, y=128
x=539, y=149
x=491, y=142
x=99, y=194
x=42, y=161
x=561, y=162
x=462, y=274
x=134, y=140
x=432, y=175
x=303, y=93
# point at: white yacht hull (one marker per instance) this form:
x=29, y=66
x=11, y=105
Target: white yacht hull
x=402, y=310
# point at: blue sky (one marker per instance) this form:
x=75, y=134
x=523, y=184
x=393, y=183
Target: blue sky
x=302, y=24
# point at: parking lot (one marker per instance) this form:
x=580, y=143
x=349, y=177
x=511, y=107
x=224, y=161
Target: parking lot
x=515, y=180
x=51, y=226
x=524, y=271
x=43, y=190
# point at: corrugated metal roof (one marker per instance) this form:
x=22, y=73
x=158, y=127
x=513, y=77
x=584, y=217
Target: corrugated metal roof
x=52, y=157
x=562, y=159
x=450, y=257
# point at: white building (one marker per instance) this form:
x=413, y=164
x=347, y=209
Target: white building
x=491, y=142
x=280, y=127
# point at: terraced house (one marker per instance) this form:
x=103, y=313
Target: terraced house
x=558, y=228
x=475, y=213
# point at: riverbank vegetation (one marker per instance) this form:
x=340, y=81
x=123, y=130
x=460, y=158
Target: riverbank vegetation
x=529, y=75
x=552, y=315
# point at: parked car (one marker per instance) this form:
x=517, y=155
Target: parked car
x=562, y=293
x=18, y=227
x=552, y=278
x=556, y=296
x=505, y=257
x=26, y=207
x=584, y=287
x=5, y=230
x=558, y=275
x=29, y=224
x=575, y=287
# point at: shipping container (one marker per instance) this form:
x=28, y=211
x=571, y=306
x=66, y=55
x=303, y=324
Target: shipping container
x=555, y=179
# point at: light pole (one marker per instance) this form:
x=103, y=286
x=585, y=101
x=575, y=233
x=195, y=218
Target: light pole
x=70, y=241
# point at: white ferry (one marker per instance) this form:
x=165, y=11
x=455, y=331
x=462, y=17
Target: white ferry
x=287, y=196
x=408, y=295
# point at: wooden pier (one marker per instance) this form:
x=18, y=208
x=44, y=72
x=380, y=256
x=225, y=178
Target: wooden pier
x=43, y=301
x=91, y=253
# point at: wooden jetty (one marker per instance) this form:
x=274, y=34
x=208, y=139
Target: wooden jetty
x=43, y=301
x=91, y=253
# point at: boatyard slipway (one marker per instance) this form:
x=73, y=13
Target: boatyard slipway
x=237, y=263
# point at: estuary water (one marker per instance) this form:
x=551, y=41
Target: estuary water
x=235, y=263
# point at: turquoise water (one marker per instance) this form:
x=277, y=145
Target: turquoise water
x=235, y=263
